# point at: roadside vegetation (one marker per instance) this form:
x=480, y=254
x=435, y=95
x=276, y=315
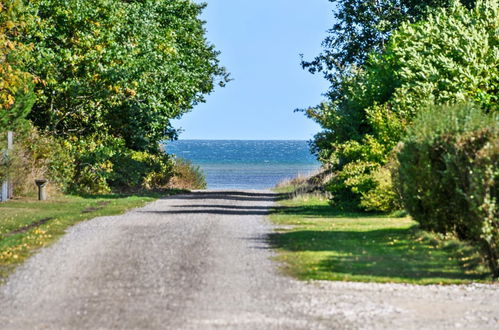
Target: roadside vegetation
x=89, y=89
x=318, y=242
x=410, y=121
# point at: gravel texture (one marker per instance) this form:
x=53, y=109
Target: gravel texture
x=201, y=261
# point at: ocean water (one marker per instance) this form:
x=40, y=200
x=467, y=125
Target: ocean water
x=241, y=164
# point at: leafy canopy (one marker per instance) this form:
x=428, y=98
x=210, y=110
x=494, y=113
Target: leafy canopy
x=15, y=83
x=364, y=27
x=452, y=56
x=122, y=67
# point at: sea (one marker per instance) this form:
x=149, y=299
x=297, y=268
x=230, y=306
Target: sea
x=245, y=164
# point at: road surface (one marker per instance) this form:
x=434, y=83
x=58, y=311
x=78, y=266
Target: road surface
x=201, y=261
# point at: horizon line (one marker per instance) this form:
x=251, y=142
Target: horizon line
x=238, y=140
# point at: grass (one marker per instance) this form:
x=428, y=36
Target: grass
x=317, y=242
x=27, y=224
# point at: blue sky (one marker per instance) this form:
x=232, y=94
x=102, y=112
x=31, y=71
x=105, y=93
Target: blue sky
x=260, y=41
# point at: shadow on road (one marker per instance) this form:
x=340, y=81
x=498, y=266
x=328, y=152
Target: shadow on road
x=213, y=203
x=232, y=196
x=221, y=212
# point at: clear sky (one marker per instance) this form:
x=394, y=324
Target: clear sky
x=260, y=41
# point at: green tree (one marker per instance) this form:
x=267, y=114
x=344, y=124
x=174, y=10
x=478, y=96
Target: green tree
x=364, y=27
x=449, y=57
x=112, y=75
x=122, y=67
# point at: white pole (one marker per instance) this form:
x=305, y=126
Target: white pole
x=10, y=145
x=6, y=191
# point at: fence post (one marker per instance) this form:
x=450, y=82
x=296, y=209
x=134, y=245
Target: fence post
x=7, y=188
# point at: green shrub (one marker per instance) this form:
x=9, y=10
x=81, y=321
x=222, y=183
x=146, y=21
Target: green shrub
x=93, y=165
x=97, y=164
x=383, y=197
x=187, y=176
x=142, y=170
x=448, y=175
x=104, y=163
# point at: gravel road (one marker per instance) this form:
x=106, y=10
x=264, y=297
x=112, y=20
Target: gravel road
x=201, y=261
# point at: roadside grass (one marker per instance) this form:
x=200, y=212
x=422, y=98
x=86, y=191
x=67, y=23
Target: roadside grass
x=27, y=224
x=317, y=242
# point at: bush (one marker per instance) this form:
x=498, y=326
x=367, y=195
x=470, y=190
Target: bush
x=383, y=197
x=97, y=164
x=93, y=166
x=448, y=175
x=187, y=176
x=104, y=163
x=141, y=170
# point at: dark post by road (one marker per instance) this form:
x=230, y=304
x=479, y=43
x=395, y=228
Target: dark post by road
x=42, y=194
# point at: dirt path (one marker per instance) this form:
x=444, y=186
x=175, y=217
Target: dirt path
x=201, y=261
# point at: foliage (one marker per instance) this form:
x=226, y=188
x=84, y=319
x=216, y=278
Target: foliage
x=93, y=165
x=110, y=75
x=16, y=96
x=121, y=67
x=383, y=197
x=457, y=59
x=449, y=175
x=142, y=169
x=451, y=56
x=36, y=156
x=364, y=27
x=103, y=163
x=187, y=176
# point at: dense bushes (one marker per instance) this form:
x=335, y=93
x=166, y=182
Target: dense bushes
x=187, y=176
x=89, y=166
x=103, y=163
x=451, y=56
x=448, y=175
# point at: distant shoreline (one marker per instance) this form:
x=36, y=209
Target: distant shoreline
x=250, y=140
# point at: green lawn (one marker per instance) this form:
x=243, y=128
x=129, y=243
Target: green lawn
x=28, y=224
x=316, y=242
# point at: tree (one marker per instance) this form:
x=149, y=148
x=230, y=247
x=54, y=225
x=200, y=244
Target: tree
x=363, y=27
x=112, y=74
x=451, y=56
x=122, y=67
